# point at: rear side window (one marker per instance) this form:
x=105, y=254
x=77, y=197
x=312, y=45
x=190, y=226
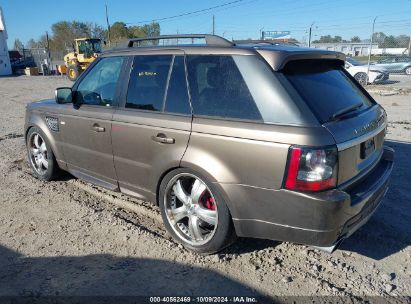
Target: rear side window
x=218, y=88
x=177, y=94
x=148, y=79
x=325, y=87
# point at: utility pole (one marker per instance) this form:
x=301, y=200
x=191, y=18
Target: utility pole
x=309, y=34
x=108, y=28
x=48, y=53
x=370, y=48
x=213, y=25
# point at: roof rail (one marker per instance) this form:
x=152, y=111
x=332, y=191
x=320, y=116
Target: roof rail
x=210, y=39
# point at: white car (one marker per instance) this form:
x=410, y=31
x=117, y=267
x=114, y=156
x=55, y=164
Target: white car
x=359, y=72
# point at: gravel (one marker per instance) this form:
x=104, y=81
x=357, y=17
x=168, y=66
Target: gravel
x=71, y=238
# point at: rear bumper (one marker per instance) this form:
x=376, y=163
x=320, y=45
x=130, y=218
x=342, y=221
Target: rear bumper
x=317, y=219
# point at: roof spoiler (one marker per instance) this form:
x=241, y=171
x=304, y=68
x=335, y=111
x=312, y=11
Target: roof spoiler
x=278, y=59
x=210, y=39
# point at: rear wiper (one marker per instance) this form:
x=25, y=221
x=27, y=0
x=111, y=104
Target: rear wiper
x=345, y=110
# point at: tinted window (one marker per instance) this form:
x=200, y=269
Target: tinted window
x=99, y=86
x=147, y=86
x=325, y=87
x=218, y=88
x=177, y=95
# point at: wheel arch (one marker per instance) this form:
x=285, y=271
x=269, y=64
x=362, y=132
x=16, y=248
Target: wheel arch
x=407, y=67
x=37, y=122
x=202, y=173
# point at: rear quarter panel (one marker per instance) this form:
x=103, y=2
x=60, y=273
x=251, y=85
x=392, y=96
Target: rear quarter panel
x=253, y=154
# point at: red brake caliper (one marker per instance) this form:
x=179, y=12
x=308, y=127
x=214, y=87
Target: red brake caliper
x=209, y=202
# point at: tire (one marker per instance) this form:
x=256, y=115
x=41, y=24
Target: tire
x=73, y=72
x=408, y=70
x=361, y=78
x=183, y=218
x=40, y=156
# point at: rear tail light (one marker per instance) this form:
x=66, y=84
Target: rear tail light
x=311, y=169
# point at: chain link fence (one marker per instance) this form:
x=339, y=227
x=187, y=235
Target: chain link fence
x=383, y=58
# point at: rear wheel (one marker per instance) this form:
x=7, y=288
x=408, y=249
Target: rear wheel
x=194, y=213
x=73, y=72
x=41, y=157
x=361, y=78
x=408, y=70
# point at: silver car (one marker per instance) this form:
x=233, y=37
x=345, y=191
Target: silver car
x=394, y=65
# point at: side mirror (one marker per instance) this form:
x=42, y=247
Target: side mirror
x=64, y=95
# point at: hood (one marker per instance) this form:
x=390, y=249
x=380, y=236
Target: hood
x=42, y=104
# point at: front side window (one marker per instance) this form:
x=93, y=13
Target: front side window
x=99, y=86
x=148, y=79
x=218, y=87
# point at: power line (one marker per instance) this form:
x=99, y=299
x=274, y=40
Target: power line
x=189, y=13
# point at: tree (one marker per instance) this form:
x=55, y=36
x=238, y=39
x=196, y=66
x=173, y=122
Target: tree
x=329, y=39
x=403, y=41
x=63, y=33
x=152, y=29
x=379, y=38
x=355, y=39
x=18, y=45
x=97, y=31
x=390, y=42
x=119, y=31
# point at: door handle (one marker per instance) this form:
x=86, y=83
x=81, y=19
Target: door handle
x=97, y=128
x=162, y=138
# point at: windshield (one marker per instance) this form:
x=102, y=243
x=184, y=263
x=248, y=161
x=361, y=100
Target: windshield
x=89, y=46
x=326, y=87
x=353, y=61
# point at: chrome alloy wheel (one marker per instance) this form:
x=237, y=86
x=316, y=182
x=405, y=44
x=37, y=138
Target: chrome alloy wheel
x=190, y=209
x=38, y=153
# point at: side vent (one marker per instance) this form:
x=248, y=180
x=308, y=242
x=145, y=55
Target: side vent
x=52, y=123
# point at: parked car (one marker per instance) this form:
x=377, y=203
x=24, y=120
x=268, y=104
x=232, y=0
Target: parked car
x=359, y=72
x=262, y=141
x=399, y=64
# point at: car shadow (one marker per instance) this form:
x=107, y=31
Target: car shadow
x=389, y=229
x=248, y=245
x=106, y=275
x=387, y=82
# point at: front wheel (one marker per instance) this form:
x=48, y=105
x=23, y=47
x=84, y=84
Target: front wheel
x=408, y=71
x=194, y=213
x=73, y=72
x=361, y=78
x=41, y=157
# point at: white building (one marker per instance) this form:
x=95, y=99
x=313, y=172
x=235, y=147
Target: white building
x=348, y=48
x=5, y=66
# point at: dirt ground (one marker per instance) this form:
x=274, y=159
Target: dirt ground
x=71, y=238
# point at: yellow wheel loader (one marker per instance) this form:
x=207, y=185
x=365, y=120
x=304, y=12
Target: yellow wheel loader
x=85, y=52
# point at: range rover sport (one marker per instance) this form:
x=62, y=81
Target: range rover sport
x=263, y=141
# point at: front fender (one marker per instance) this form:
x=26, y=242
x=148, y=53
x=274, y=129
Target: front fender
x=38, y=120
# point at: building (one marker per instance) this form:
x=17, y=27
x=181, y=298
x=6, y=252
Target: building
x=5, y=66
x=348, y=48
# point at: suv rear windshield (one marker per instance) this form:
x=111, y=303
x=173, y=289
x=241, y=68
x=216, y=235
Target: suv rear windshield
x=326, y=88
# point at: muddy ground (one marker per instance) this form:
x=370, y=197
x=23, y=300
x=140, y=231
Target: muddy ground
x=71, y=238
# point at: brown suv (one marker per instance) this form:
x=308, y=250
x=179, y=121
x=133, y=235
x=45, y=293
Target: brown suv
x=229, y=140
